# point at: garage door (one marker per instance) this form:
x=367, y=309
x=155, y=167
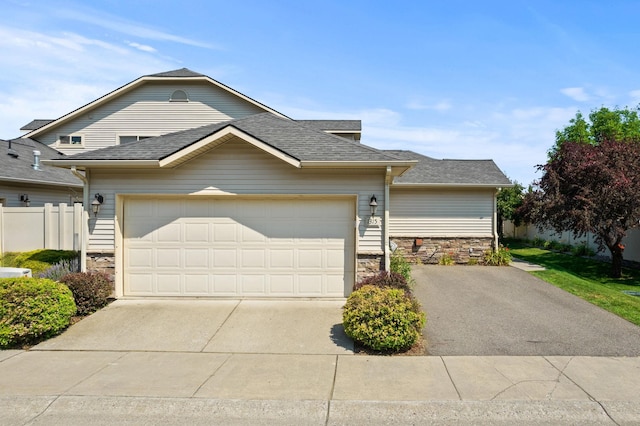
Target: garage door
x=302, y=247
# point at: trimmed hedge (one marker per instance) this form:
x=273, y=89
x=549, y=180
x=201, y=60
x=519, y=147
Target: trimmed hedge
x=91, y=290
x=383, y=319
x=33, y=309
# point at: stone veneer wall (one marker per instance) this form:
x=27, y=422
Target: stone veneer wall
x=369, y=264
x=462, y=250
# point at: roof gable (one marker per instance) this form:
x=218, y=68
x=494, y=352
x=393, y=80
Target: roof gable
x=182, y=74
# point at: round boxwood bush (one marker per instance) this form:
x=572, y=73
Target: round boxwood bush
x=91, y=290
x=33, y=309
x=383, y=319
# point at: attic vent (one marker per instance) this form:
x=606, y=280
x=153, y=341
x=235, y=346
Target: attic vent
x=179, y=96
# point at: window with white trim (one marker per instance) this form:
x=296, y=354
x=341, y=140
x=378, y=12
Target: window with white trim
x=70, y=140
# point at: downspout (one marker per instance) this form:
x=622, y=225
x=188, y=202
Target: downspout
x=385, y=224
x=495, y=220
x=85, y=218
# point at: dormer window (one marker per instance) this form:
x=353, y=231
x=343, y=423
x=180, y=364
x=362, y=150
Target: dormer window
x=179, y=96
x=70, y=140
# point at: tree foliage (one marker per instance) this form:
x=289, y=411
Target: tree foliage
x=603, y=124
x=590, y=187
x=508, y=201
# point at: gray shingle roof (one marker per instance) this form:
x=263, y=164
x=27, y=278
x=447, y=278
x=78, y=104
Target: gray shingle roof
x=344, y=125
x=296, y=140
x=20, y=167
x=36, y=124
x=457, y=172
x=182, y=72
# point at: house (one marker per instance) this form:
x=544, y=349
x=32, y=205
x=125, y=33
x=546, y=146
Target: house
x=25, y=181
x=198, y=190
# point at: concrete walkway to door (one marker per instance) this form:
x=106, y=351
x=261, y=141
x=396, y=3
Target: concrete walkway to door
x=479, y=310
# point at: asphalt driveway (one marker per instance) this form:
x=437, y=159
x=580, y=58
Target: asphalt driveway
x=478, y=310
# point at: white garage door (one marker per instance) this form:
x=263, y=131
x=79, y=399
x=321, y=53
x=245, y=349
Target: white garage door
x=302, y=247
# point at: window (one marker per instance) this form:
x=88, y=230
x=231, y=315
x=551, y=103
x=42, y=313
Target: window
x=128, y=139
x=179, y=96
x=70, y=140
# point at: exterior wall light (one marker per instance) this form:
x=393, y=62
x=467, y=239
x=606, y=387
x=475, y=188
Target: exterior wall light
x=96, y=203
x=25, y=200
x=373, y=203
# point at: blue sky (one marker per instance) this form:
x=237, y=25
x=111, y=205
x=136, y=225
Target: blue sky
x=448, y=79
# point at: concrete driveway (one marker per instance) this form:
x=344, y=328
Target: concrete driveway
x=478, y=310
x=223, y=326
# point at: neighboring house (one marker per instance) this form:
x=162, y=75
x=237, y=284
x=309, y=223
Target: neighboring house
x=24, y=184
x=203, y=191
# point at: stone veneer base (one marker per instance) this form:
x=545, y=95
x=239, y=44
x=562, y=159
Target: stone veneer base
x=461, y=250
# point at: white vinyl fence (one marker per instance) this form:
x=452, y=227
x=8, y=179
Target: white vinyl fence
x=50, y=227
x=529, y=232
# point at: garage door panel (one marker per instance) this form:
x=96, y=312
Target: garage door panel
x=223, y=247
x=224, y=258
x=168, y=284
x=281, y=258
x=196, y=258
x=196, y=284
x=225, y=232
x=196, y=232
x=168, y=257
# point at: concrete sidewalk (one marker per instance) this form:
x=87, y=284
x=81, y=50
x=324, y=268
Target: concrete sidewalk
x=103, y=387
x=270, y=362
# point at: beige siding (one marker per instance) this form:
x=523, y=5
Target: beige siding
x=146, y=111
x=235, y=168
x=38, y=195
x=441, y=213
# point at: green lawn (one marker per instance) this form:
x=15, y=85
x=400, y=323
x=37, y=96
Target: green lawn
x=587, y=279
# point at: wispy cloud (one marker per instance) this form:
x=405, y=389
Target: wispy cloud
x=576, y=93
x=131, y=28
x=635, y=96
x=142, y=47
x=443, y=105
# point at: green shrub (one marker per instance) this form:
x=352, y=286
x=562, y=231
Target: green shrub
x=500, y=257
x=383, y=319
x=400, y=265
x=583, y=250
x=91, y=290
x=37, y=260
x=472, y=261
x=446, y=259
x=385, y=279
x=538, y=242
x=33, y=309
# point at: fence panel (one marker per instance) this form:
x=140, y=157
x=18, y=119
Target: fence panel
x=49, y=227
x=529, y=232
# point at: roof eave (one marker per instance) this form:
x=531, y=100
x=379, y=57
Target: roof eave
x=39, y=182
x=449, y=185
x=82, y=164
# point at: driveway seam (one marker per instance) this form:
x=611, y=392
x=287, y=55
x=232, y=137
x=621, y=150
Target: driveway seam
x=333, y=387
x=446, y=368
x=193, y=395
x=221, y=325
